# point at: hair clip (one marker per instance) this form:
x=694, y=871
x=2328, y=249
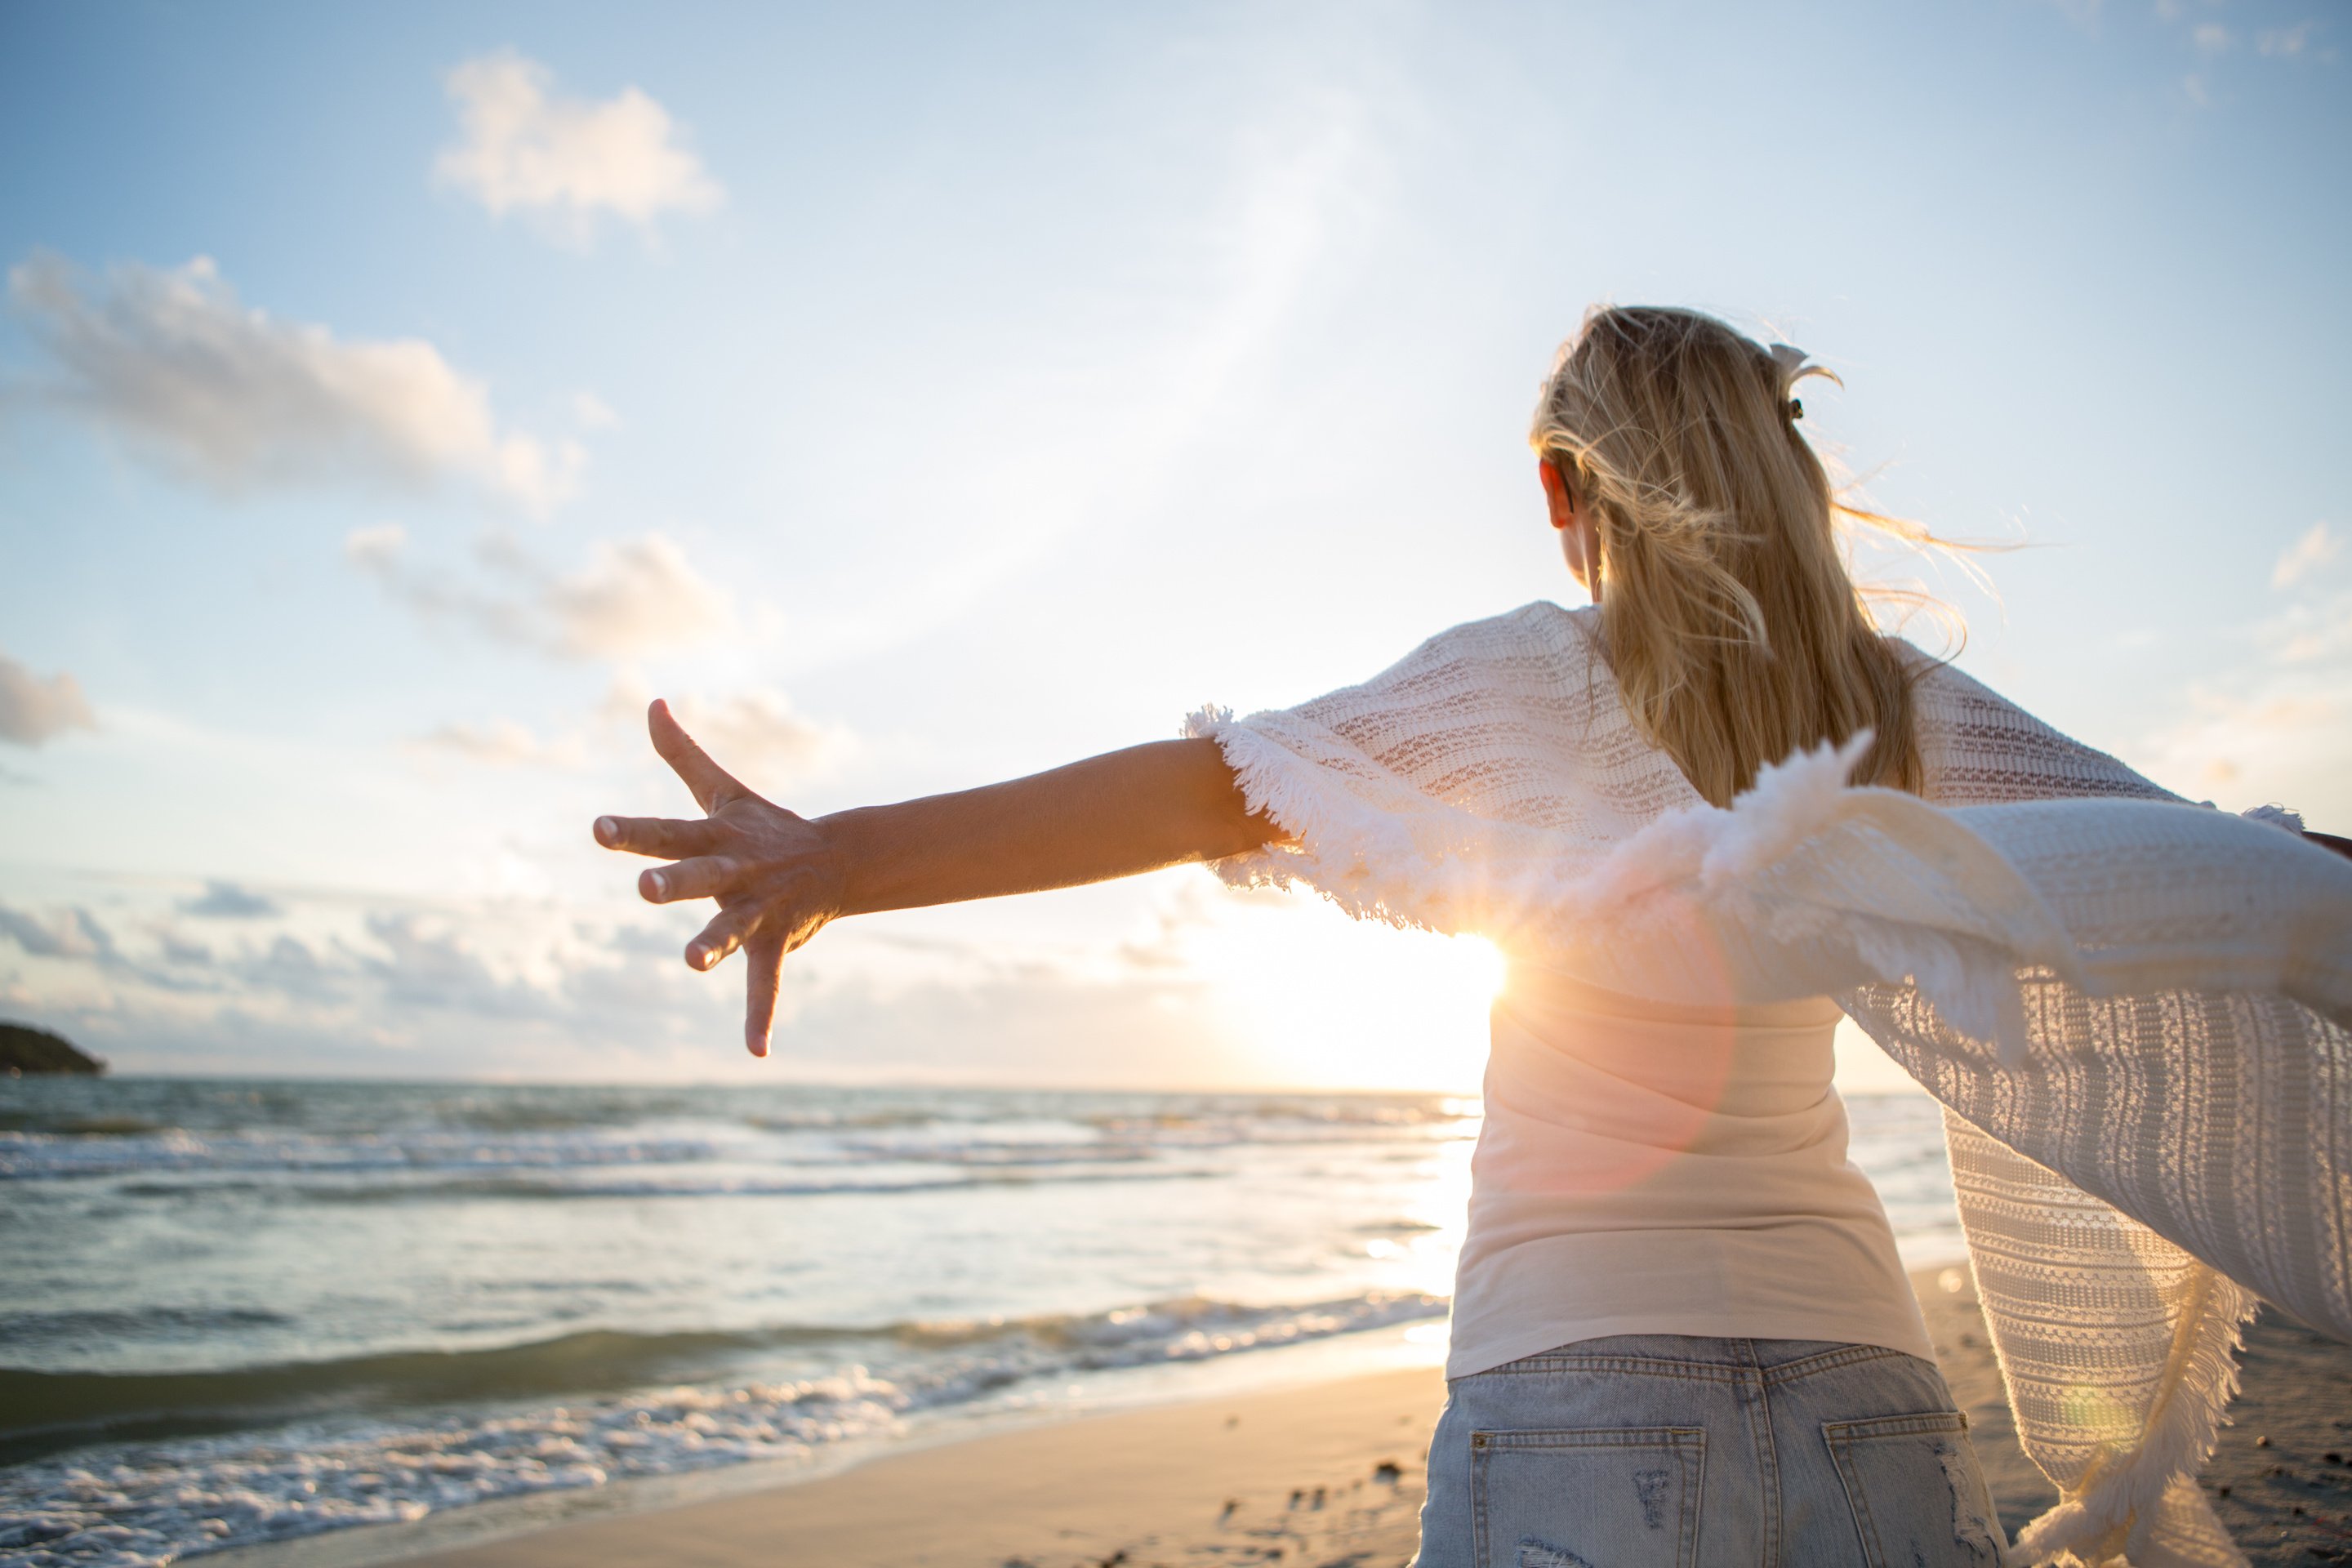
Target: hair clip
x=1796, y=408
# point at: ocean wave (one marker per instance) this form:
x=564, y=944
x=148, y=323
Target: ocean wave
x=994, y=1152
x=1304, y=1119
x=37, y=1156
x=153, y=1502
x=178, y=1154
x=145, y=1506
x=48, y=1412
x=176, y=1151
x=1186, y=1329
x=1204, y=1136
x=157, y=1128
x=822, y=1119
x=158, y=1322
x=218, y=1106
x=528, y=1188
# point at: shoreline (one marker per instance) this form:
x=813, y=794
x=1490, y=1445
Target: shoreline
x=1298, y=1474
x=1281, y=1372
x=1293, y=1469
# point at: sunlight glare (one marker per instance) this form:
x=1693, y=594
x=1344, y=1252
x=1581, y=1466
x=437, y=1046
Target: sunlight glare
x=1481, y=963
x=1329, y=1002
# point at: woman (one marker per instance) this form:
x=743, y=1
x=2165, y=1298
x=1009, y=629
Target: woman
x=1681, y=1333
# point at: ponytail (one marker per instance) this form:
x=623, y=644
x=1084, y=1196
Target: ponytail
x=1732, y=624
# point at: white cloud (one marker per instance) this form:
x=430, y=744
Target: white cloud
x=71, y=933
x=635, y=597
x=2315, y=630
x=2211, y=38
x=593, y=412
x=755, y=735
x=2316, y=548
x=434, y=970
x=1194, y=984
x=2284, y=41
x=503, y=744
x=230, y=901
x=345, y=985
x=2287, y=742
x=32, y=710
x=631, y=598
x=2273, y=721
x=378, y=549
x=382, y=553
x=215, y=391
x=525, y=148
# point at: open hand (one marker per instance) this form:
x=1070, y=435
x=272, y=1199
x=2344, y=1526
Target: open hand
x=777, y=878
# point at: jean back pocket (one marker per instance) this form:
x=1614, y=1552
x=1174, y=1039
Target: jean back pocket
x=1594, y=1498
x=1918, y=1498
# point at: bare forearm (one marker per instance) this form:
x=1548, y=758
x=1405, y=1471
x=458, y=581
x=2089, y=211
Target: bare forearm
x=779, y=878
x=1112, y=816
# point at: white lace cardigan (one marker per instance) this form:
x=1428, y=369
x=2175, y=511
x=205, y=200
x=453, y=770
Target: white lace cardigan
x=2134, y=1010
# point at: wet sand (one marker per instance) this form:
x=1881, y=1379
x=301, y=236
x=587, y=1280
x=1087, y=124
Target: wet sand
x=1331, y=1476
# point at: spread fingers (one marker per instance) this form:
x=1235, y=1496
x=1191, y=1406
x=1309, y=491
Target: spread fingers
x=726, y=932
x=763, y=963
x=669, y=837
x=713, y=785
x=705, y=876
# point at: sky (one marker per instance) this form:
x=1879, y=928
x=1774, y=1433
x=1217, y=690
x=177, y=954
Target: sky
x=394, y=399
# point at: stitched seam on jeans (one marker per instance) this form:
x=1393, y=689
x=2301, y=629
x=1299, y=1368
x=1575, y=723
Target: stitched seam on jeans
x=1546, y=1438
x=1698, y=1371
x=1768, y=1469
x=1478, y=1504
x=1865, y=1529
x=1479, y=1540
x=1694, y=1495
x=1830, y=1361
x=1944, y=1423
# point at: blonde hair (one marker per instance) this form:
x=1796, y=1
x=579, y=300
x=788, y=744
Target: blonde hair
x=1734, y=628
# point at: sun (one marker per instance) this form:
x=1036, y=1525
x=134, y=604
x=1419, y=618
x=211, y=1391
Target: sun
x=1329, y=1002
x=1482, y=965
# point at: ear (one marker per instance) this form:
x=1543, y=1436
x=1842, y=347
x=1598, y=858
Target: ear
x=1558, y=500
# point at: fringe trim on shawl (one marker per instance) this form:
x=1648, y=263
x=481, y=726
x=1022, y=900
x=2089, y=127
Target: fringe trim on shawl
x=1297, y=797
x=2127, y=1509
x=1388, y=871
x=1789, y=803
x=1417, y=862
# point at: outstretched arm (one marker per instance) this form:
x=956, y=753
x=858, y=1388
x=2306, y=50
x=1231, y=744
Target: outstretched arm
x=779, y=877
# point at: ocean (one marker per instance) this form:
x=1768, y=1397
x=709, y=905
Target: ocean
x=234, y=1312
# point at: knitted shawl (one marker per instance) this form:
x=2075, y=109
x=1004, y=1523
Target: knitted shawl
x=2134, y=1010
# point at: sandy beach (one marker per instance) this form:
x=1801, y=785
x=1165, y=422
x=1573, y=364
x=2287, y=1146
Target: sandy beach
x=1331, y=1475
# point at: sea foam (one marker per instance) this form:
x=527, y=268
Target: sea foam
x=131, y=1505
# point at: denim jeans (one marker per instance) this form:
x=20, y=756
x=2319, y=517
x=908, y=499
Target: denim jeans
x=1669, y=1451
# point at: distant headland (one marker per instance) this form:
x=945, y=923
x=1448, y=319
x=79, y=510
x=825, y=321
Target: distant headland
x=25, y=1049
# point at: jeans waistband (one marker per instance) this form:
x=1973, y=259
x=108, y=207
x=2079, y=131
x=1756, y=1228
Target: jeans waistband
x=1692, y=1354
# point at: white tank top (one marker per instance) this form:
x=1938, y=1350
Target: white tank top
x=1668, y=1169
